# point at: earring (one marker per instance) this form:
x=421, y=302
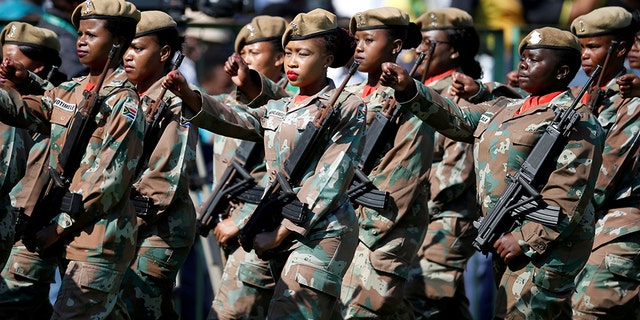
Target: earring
x=454, y=55
x=559, y=77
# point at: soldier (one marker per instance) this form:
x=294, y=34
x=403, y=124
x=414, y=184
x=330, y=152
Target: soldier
x=436, y=288
x=99, y=237
x=308, y=282
x=609, y=284
x=160, y=194
x=260, y=55
x=30, y=53
x=373, y=286
x=542, y=260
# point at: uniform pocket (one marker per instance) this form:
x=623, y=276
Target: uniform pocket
x=100, y=278
x=32, y=268
x=621, y=266
x=256, y=275
x=319, y=279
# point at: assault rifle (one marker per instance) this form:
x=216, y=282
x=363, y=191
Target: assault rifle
x=596, y=94
x=362, y=191
x=521, y=199
x=279, y=200
x=55, y=196
x=236, y=182
x=154, y=116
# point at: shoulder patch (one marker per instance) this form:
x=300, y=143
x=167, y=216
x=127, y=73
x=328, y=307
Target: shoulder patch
x=130, y=110
x=69, y=107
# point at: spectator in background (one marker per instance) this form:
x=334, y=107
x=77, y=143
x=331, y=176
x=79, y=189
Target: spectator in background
x=58, y=19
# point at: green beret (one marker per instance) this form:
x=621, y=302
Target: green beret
x=447, y=18
x=601, y=21
x=550, y=38
x=314, y=23
x=104, y=9
x=154, y=21
x=21, y=33
x=380, y=18
x=261, y=28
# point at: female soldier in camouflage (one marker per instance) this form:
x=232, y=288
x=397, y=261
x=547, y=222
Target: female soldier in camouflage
x=373, y=286
x=28, y=276
x=543, y=260
x=166, y=215
x=436, y=288
x=102, y=230
x=308, y=282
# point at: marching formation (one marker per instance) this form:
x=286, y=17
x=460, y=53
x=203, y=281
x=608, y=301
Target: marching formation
x=331, y=200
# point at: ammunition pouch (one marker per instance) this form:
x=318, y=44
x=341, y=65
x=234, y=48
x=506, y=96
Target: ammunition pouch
x=144, y=206
x=71, y=204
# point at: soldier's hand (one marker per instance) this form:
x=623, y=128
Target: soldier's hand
x=237, y=69
x=508, y=248
x=512, y=79
x=397, y=77
x=13, y=71
x=463, y=86
x=225, y=230
x=48, y=236
x=629, y=85
x=269, y=240
x=175, y=82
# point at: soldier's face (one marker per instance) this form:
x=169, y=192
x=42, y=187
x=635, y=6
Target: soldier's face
x=634, y=54
x=441, y=61
x=12, y=51
x=305, y=64
x=537, y=70
x=144, y=59
x=594, y=52
x=373, y=47
x=94, y=43
x=264, y=58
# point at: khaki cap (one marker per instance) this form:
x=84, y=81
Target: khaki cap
x=101, y=9
x=550, y=38
x=311, y=24
x=601, y=21
x=380, y=18
x=154, y=21
x=261, y=28
x=21, y=33
x=447, y=18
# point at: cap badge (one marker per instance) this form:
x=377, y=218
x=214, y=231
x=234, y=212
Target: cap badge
x=535, y=38
x=251, y=31
x=361, y=22
x=88, y=7
x=434, y=19
x=581, y=22
x=294, y=30
x=12, y=32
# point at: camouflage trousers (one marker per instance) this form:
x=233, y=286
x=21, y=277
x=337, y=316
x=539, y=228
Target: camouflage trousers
x=147, y=286
x=246, y=288
x=24, y=290
x=542, y=288
x=609, y=285
x=369, y=293
x=7, y=232
x=307, y=281
x=435, y=287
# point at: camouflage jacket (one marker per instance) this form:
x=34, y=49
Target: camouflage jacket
x=107, y=166
x=224, y=148
x=618, y=184
x=402, y=169
x=279, y=124
x=502, y=142
x=452, y=178
x=165, y=180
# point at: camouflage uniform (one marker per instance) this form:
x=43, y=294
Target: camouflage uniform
x=436, y=287
x=247, y=282
x=164, y=238
x=325, y=242
x=103, y=235
x=609, y=284
x=541, y=288
x=27, y=277
x=373, y=286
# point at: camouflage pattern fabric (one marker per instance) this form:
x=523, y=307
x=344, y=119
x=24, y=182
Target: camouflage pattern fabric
x=164, y=239
x=389, y=239
x=436, y=283
x=502, y=141
x=311, y=277
x=609, y=284
x=104, y=233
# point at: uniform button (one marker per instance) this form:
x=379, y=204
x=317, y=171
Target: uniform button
x=374, y=232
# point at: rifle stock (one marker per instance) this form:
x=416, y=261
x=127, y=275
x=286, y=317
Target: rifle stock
x=520, y=200
x=55, y=196
x=279, y=200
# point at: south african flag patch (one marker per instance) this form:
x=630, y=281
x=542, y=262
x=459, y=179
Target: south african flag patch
x=129, y=110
